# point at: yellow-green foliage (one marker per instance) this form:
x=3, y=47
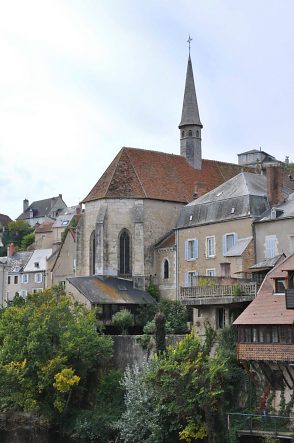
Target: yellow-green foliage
x=65, y=380
x=193, y=431
x=48, y=345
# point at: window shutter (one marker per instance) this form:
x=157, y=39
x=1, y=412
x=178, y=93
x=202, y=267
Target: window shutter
x=195, y=248
x=235, y=238
x=186, y=279
x=186, y=249
x=224, y=244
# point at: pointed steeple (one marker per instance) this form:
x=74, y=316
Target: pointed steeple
x=190, y=125
x=190, y=112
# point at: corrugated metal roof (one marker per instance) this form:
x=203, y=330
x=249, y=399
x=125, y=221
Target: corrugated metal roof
x=110, y=290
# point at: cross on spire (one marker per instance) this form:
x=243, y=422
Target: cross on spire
x=189, y=41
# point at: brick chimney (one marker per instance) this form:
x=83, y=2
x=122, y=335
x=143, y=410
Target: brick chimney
x=10, y=250
x=275, y=178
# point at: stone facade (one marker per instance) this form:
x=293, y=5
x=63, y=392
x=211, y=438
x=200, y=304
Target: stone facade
x=146, y=221
x=203, y=263
x=281, y=232
x=64, y=264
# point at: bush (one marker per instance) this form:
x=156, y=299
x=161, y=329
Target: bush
x=123, y=320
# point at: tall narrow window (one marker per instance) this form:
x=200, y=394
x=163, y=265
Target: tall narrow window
x=165, y=269
x=270, y=246
x=92, y=253
x=124, y=253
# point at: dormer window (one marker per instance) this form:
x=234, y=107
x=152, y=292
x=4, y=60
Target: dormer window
x=37, y=264
x=280, y=286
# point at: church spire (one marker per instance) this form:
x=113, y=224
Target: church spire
x=190, y=125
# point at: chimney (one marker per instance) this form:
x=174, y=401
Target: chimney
x=275, y=176
x=10, y=250
x=25, y=204
x=78, y=210
x=60, y=196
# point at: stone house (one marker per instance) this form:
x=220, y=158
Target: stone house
x=49, y=234
x=41, y=210
x=12, y=267
x=266, y=332
x=63, y=262
x=216, y=248
x=274, y=231
x=35, y=275
x=165, y=265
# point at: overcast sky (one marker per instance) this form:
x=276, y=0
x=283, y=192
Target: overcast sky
x=79, y=79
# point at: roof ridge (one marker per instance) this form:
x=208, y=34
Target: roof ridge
x=143, y=189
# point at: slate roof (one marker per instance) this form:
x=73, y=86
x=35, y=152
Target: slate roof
x=4, y=220
x=239, y=247
x=283, y=210
x=140, y=173
x=269, y=308
x=38, y=256
x=41, y=208
x=244, y=195
x=18, y=261
x=110, y=290
x=268, y=262
x=190, y=112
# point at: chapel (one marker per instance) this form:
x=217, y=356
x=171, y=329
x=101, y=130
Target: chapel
x=136, y=202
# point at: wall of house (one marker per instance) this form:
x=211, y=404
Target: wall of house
x=77, y=296
x=147, y=222
x=282, y=229
x=243, y=228
x=167, y=286
x=43, y=240
x=65, y=262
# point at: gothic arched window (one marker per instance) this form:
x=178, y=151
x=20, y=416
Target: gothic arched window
x=124, y=253
x=190, y=133
x=92, y=253
x=183, y=133
x=165, y=269
x=197, y=133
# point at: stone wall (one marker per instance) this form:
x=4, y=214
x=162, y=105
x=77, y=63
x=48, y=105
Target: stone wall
x=128, y=352
x=147, y=221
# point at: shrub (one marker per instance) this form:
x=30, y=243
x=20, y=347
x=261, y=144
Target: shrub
x=123, y=320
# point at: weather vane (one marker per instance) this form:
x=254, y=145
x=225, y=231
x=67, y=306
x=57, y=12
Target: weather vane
x=189, y=41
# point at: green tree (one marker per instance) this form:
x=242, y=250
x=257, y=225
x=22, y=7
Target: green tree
x=27, y=240
x=16, y=232
x=123, y=320
x=177, y=397
x=49, y=349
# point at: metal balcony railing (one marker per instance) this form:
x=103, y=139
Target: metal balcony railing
x=216, y=290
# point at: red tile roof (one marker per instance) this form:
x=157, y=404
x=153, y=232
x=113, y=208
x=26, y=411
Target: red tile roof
x=168, y=241
x=44, y=227
x=139, y=173
x=269, y=308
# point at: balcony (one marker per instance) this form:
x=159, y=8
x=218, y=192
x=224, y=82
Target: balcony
x=217, y=291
